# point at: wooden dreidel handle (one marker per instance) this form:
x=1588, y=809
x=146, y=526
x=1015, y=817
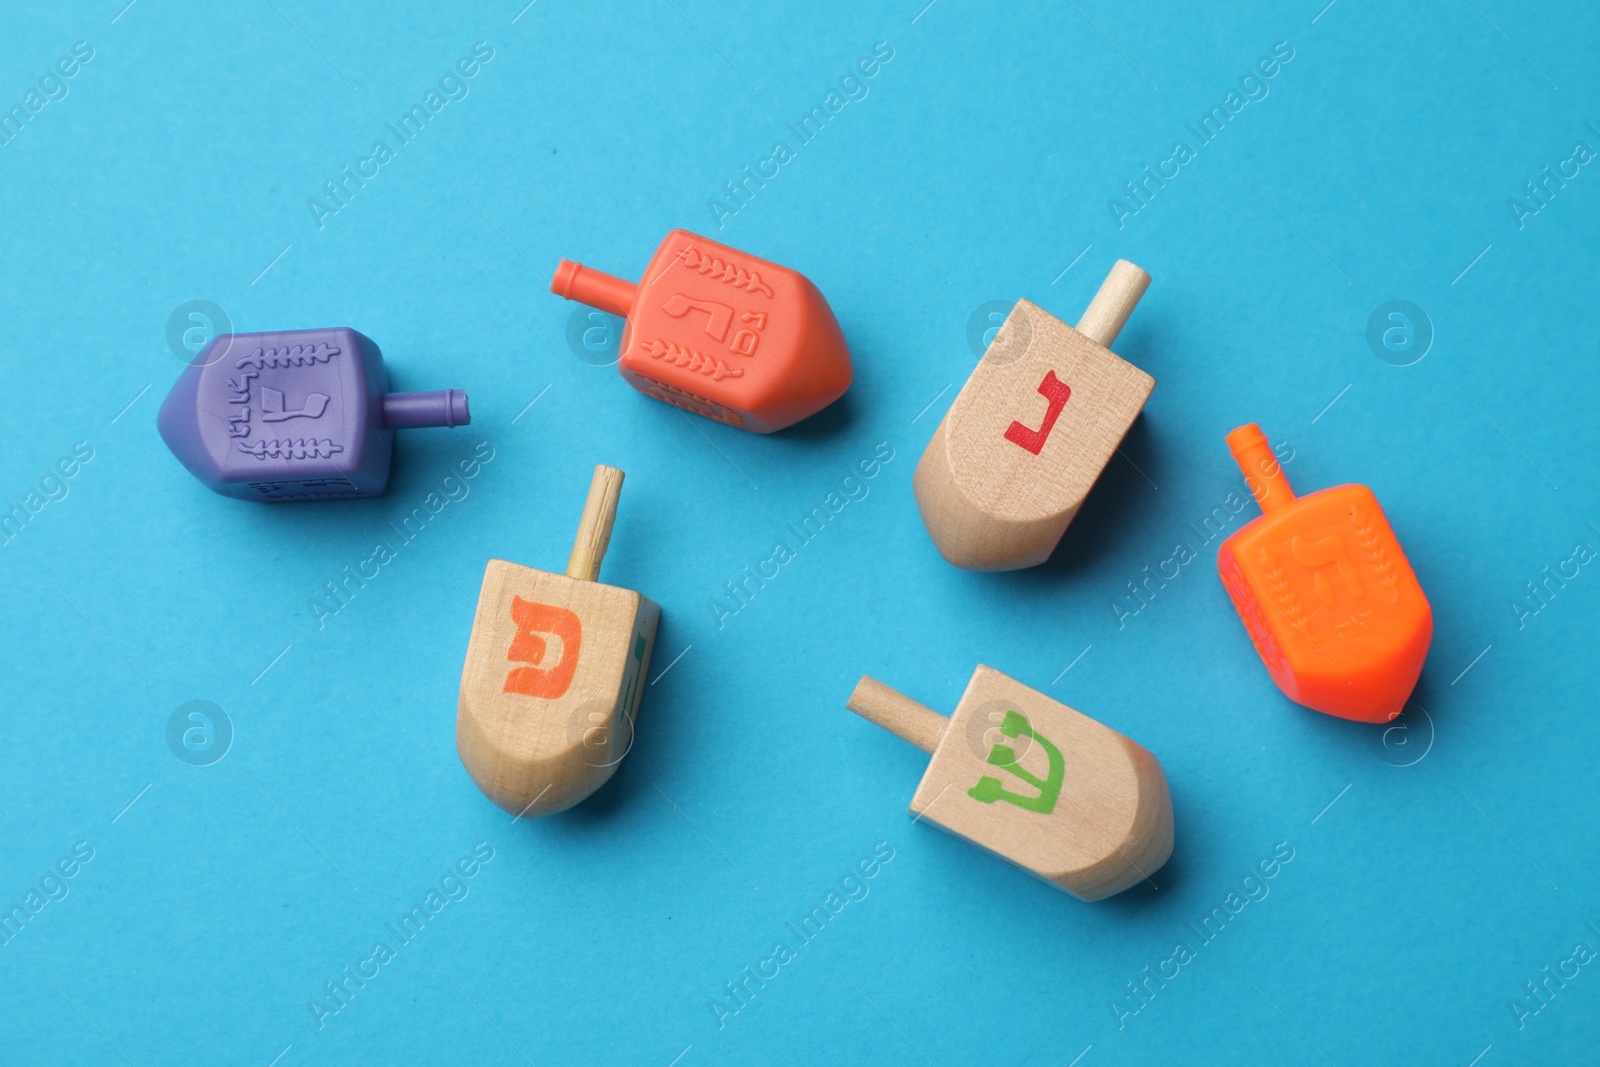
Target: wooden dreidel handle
x=594, y=528
x=1030, y=432
x=554, y=672
x=1031, y=780
x=1113, y=302
x=1323, y=586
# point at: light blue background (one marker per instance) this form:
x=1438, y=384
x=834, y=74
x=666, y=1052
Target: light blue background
x=979, y=166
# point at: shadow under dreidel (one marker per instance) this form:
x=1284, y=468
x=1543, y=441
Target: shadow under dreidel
x=1127, y=494
x=1407, y=740
x=630, y=785
x=831, y=422
x=1162, y=886
x=627, y=786
x=1121, y=502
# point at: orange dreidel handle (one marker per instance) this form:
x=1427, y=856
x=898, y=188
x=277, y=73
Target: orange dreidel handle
x=1262, y=471
x=574, y=281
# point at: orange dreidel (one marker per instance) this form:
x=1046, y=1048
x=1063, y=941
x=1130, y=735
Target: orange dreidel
x=721, y=333
x=1324, y=588
x=554, y=672
x=1067, y=799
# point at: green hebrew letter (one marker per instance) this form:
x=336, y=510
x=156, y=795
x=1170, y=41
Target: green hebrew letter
x=630, y=703
x=988, y=790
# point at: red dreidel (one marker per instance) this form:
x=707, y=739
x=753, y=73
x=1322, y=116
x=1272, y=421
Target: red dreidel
x=721, y=333
x=1324, y=588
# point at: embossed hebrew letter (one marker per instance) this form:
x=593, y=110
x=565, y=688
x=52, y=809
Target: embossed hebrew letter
x=718, y=316
x=1055, y=391
x=988, y=790
x=548, y=681
x=1327, y=551
x=272, y=409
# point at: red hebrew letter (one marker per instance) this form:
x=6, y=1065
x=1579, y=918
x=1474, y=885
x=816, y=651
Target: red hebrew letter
x=529, y=646
x=1056, y=392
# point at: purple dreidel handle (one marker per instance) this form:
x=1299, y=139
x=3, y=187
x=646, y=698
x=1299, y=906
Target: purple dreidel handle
x=415, y=411
x=295, y=415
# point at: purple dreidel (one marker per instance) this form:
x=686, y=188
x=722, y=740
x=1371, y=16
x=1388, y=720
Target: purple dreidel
x=294, y=415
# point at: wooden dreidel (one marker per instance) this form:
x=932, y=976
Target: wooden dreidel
x=554, y=672
x=1321, y=583
x=1031, y=431
x=1034, y=782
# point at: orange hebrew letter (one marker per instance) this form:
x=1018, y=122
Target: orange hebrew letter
x=1325, y=552
x=718, y=316
x=529, y=646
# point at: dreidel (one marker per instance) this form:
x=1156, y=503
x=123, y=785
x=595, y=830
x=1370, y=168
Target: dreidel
x=294, y=415
x=721, y=333
x=554, y=673
x=1031, y=430
x=1032, y=781
x=1321, y=583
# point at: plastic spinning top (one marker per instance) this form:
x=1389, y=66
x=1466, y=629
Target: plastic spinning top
x=721, y=333
x=294, y=415
x=1324, y=588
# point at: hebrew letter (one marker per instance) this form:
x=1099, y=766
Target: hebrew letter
x=1327, y=552
x=1055, y=391
x=988, y=790
x=548, y=681
x=718, y=316
x=272, y=409
x=630, y=696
